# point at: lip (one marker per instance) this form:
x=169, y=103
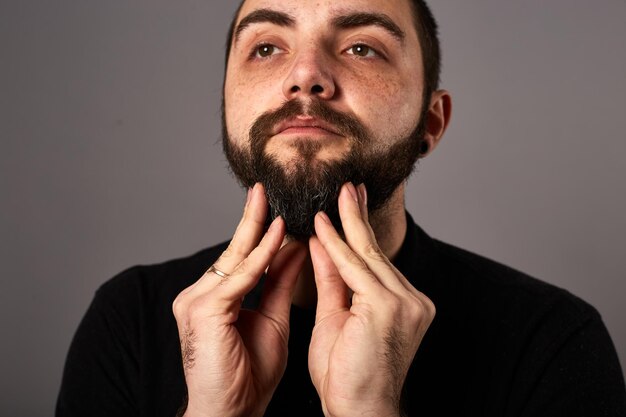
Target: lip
x=305, y=125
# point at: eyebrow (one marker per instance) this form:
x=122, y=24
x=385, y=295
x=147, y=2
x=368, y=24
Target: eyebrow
x=348, y=21
x=355, y=20
x=264, y=16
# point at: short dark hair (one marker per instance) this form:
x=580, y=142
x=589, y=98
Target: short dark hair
x=428, y=35
x=427, y=32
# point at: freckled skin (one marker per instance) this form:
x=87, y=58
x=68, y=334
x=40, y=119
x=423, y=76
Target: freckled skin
x=383, y=92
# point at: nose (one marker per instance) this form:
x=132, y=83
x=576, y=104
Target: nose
x=310, y=76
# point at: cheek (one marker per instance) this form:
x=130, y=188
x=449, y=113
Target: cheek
x=245, y=99
x=235, y=120
x=239, y=110
x=389, y=107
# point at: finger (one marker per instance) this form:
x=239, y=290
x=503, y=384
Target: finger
x=249, y=271
x=362, y=192
x=246, y=237
x=248, y=232
x=350, y=266
x=281, y=282
x=332, y=292
x=362, y=241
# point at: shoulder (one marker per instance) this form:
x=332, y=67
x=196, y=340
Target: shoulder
x=511, y=344
x=497, y=286
x=505, y=313
x=534, y=340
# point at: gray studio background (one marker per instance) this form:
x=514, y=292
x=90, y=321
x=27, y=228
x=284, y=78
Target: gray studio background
x=109, y=115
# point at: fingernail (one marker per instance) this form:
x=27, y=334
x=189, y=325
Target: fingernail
x=352, y=190
x=363, y=194
x=324, y=217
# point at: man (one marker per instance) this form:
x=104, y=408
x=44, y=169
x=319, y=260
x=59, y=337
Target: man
x=330, y=308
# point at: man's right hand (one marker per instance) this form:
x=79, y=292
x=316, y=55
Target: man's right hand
x=233, y=359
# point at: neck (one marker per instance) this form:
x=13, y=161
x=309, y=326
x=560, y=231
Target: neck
x=389, y=225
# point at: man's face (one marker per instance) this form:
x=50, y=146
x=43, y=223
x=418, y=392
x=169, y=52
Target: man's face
x=318, y=93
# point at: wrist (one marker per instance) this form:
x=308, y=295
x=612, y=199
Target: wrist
x=191, y=412
x=363, y=410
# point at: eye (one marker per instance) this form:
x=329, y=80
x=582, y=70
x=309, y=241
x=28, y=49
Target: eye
x=361, y=50
x=265, y=50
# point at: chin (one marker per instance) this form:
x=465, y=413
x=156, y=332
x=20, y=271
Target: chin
x=294, y=158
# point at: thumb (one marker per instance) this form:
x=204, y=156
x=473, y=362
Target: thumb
x=332, y=291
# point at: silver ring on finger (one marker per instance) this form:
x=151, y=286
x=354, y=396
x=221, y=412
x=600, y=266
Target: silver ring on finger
x=217, y=272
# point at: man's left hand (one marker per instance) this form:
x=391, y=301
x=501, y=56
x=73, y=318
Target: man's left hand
x=361, y=349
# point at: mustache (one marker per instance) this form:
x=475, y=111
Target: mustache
x=347, y=125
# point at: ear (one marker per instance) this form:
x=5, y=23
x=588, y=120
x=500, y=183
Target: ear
x=437, y=119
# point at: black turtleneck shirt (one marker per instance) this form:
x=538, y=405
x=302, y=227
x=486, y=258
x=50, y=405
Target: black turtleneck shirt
x=502, y=344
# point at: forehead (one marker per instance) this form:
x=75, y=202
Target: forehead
x=320, y=12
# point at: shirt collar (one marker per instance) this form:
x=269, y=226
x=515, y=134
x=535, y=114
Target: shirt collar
x=414, y=260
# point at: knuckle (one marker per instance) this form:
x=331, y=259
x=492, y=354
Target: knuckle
x=430, y=308
x=373, y=251
x=232, y=251
x=251, y=218
x=195, y=310
x=421, y=310
x=415, y=310
x=354, y=259
x=179, y=306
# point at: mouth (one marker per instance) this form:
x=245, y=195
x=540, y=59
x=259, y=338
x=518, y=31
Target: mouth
x=303, y=125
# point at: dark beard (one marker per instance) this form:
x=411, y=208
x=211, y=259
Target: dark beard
x=305, y=186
